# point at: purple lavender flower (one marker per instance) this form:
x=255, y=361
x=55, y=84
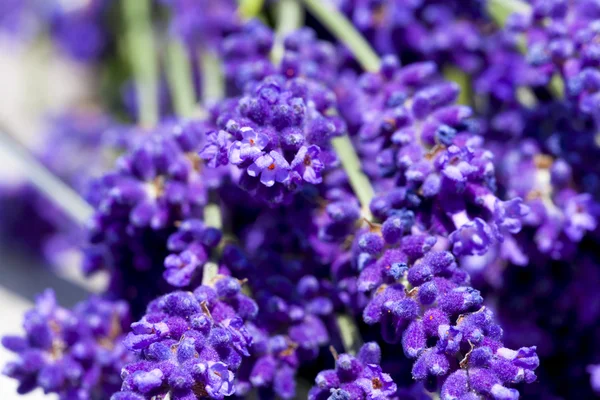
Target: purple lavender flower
x=190, y=344
x=358, y=377
x=81, y=30
x=249, y=148
x=440, y=293
x=190, y=249
x=280, y=135
x=425, y=156
x=71, y=353
x=308, y=165
x=157, y=186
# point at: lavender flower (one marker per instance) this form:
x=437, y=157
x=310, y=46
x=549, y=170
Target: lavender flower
x=73, y=353
x=157, y=185
x=357, y=377
x=278, y=133
x=190, y=344
x=440, y=293
x=426, y=157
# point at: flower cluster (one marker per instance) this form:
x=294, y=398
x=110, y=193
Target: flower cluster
x=560, y=215
x=427, y=157
x=448, y=32
x=421, y=297
x=357, y=377
x=190, y=344
x=278, y=134
x=190, y=249
x=74, y=353
x=562, y=40
x=157, y=185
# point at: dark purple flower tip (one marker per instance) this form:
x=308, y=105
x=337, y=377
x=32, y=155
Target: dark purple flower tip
x=370, y=353
x=414, y=340
x=370, y=243
x=348, y=367
x=419, y=273
x=227, y=287
x=430, y=363
x=407, y=309
x=146, y=382
x=397, y=225
x=432, y=320
x=456, y=385
x=389, y=66
x=415, y=246
x=127, y=396
x=427, y=293
x=327, y=379
x=460, y=300
x=15, y=344
x=480, y=357
x=263, y=371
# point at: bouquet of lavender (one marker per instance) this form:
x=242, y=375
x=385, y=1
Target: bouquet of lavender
x=331, y=200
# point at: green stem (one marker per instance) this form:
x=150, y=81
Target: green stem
x=213, y=85
x=61, y=194
x=358, y=180
x=557, y=86
x=500, y=10
x=212, y=218
x=250, y=8
x=345, y=32
x=142, y=55
x=461, y=78
x=289, y=16
x=179, y=73
x=349, y=334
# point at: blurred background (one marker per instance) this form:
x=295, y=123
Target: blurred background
x=39, y=84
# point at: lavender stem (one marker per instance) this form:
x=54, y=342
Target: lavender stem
x=49, y=184
x=212, y=218
x=213, y=86
x=142, y=55
x=346, y=33
x=500, y=10
x=358, y=180
x=250, y=8
x=179, y=72
x=349, y=334
x=289, y=16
